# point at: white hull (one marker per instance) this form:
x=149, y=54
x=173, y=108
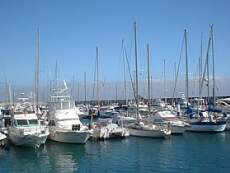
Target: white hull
x=227, y=126
x=100, y=133
x=147, y=133
x=119, y=132
x=106, y=133
x=3, y=139
x=69, y=136
x=178, y=129
x=206, y=128
x=28, y=140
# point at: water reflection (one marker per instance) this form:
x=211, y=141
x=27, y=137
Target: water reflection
x=192, y=152
x=53, y=157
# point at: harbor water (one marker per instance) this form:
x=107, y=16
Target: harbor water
x=192, y=152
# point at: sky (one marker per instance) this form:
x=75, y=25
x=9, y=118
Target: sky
x=70, y=30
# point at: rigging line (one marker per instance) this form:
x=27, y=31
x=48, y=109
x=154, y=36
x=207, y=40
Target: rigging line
x=121, y=55
x=178, y=68
x=205, y=65
x=130, y=75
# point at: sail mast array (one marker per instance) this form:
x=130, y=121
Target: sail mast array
x=184, y=46
x=206, y=69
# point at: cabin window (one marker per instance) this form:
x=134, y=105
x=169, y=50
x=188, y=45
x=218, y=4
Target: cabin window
x=52, y=123
x=22, y=122
x=158, y=121
x=33, y=122
x=228, y=102
x=42, y=122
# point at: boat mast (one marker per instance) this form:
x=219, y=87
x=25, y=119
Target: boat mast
x=124, y=66
x=148, y=62
x=73, y=87
x=208, y=71
x=186, y=59
x=116, y=92
x=213, y=68
x=151, y=89
x=56, y=75
x=78, y=92
x=136, y=66
x=164, y=82
x=175, y=77
x=85, y=86
x=98, y=96
x=200, y=72
x=37, y=70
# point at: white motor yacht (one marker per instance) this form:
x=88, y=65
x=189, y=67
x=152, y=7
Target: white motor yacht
x=64, y=123
x=27, y=130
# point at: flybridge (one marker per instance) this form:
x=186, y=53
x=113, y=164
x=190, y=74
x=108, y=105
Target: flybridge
x=25, y=116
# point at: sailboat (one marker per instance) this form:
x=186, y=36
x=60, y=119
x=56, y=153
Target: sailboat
x=206, y=121
x=105, y=128
x=167, y=117
x=143, y=128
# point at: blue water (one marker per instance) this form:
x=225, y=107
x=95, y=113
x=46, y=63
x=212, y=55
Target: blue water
x=193, y=152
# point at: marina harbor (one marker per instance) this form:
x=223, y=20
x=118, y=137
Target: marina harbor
x=112, y=87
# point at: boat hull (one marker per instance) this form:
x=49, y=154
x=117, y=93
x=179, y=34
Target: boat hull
x=28, y=140
x=3, y=140
x=79, y=137
x=178, y=129
x=227, y=126
x=148, y=133
x=106, y=133
x=207, y=127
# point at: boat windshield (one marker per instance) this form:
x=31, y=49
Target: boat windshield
x=227, y=101
x=22, y=122
x=33, y=122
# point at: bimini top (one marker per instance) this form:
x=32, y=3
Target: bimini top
x=165, y=114
x=66, y=114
